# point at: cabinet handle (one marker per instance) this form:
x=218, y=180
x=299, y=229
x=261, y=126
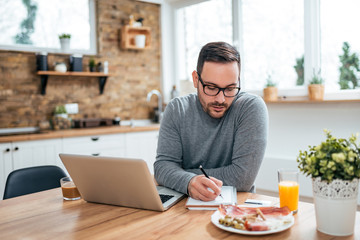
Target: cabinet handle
x=95, y=138
x=16, y=148
x=7, y=150
x=95, y=154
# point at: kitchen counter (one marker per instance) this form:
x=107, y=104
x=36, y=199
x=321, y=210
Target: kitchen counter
x=76, y=132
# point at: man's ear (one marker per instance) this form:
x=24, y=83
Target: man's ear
x=195, y=79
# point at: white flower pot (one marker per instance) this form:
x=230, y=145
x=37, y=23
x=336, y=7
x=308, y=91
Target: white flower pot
x=65, y=44
x=335, y=206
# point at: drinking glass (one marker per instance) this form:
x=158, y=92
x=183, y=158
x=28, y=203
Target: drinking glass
x=69, y=190
x=288, y=180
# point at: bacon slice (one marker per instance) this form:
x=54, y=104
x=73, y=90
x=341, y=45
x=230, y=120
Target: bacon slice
x=236, y=211
x=256, y=226
x=253, y=223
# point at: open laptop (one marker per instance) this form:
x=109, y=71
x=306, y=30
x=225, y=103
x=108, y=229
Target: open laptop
x=118, y=181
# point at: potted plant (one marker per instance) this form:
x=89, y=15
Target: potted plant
x=270, y=91
x=334, y=167
x=316, y=88
x=350, y=65
x=65, y=41
x=299, y=68
x=60, y=119
x=92, y=65
x=60, y=111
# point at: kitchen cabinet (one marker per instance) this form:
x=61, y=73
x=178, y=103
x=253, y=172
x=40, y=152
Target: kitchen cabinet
x=142, y=145
x=5, y=164
x=23, y=154
x=110, y=145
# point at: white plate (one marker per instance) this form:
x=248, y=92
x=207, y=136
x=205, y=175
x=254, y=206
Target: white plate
x=216, y=216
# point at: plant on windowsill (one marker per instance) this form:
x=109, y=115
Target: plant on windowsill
x=270, y=91
x=350, y=65
x=334, y=166
x=299, y=68
x=316, y=87
x=65, y=41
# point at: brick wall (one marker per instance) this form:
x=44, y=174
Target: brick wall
x=134, y=74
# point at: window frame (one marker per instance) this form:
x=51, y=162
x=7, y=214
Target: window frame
x=93, y=42
x=312, y=48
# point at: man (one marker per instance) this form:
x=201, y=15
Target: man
x=220, y=128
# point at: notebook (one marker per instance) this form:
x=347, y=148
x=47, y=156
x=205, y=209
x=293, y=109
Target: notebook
x=118, y=181
x=229, y=196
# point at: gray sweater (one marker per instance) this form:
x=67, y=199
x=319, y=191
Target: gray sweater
x=230, y=148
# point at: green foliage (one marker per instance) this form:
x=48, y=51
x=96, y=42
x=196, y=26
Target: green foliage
x=332, y=159
x=27, y=25
x=270, y=82
x=350, y=65
x=316, y=79
x=60, y=109
x=92, y=62
x=64, y=35
x=299, y=68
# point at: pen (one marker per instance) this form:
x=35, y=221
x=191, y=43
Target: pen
x=254, y=203
x=203, y=171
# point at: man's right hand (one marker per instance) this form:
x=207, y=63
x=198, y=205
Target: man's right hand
x=198, y=188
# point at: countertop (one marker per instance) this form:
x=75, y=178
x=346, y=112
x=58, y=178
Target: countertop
x=77, y=132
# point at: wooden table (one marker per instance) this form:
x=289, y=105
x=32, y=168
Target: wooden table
x=45, y=215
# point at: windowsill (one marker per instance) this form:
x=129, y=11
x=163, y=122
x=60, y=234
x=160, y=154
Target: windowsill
x=47, y=50
x=306, y=100
x=300, y=95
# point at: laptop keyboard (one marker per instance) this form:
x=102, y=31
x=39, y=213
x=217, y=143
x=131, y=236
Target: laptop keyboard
x=165, y=197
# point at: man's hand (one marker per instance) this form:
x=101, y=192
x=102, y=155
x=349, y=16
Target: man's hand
x=198, y=188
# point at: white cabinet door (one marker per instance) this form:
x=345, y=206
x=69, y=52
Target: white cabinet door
x=142, y=145
x=36, y=153
x=5, y=165
x=111, y=145
x=27, y=154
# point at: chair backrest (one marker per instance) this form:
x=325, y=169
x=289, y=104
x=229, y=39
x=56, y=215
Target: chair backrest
x=33, y=179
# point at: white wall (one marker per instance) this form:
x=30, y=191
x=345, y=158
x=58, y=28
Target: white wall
x=295, y=126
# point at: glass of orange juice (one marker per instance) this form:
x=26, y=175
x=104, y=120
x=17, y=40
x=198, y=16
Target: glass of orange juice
x=288, y=180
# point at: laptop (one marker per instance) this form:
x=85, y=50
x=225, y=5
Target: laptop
x=118, y=181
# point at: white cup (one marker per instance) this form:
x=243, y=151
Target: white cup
x=140, y=40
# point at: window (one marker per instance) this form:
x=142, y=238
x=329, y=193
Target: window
x=273, y=38
x=37, y=24
x=201, y=24
x=339, y=24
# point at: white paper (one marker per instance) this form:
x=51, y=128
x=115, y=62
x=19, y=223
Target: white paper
x=229, y=197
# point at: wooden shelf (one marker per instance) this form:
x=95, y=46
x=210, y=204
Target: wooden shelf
x=77, y=74
x=45, y=74
x=128, y=34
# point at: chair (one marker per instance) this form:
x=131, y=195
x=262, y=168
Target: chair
x=31, y=180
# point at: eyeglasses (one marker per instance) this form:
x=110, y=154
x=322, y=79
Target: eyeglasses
x=212, y=90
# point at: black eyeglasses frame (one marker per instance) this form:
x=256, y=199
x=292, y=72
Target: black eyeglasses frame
x=219, y=89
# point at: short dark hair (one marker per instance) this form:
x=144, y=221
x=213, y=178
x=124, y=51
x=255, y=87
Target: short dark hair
x=220, y=52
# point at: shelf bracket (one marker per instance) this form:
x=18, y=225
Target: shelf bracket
x=45, y=74
x=102, y=82
x=44, y=79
